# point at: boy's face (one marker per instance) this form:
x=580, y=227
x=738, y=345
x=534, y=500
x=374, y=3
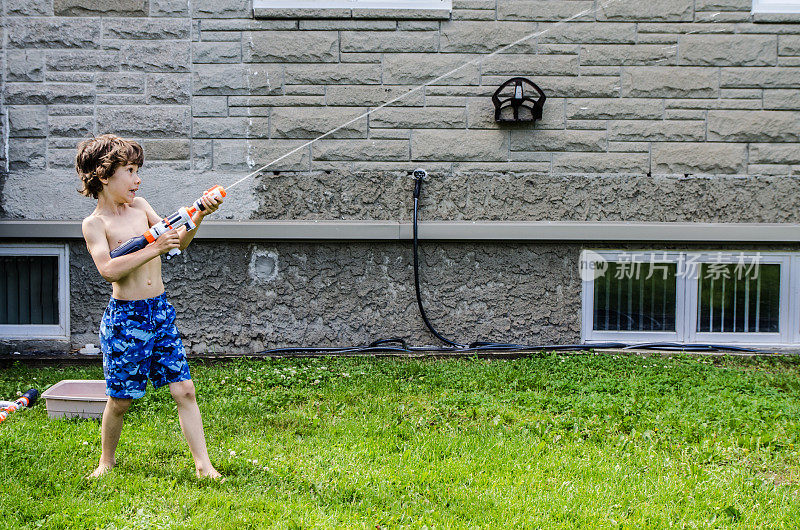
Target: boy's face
x=123, y=183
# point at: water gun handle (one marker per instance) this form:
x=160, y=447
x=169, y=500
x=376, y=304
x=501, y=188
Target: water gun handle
x=183, y=217
x=217, y=192
x=30, y=397
x=131, y=245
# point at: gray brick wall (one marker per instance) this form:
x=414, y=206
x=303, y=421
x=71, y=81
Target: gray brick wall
x=677, y=110
x=678, y=86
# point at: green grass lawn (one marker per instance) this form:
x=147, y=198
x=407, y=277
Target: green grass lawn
x=550, y=441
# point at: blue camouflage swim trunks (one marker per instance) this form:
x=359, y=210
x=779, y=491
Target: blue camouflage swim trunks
x=140, y=341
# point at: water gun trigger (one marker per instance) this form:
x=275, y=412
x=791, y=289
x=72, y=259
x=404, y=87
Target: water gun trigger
x=190, y=224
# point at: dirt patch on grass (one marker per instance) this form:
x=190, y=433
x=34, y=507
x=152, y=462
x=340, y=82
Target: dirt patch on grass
x=784, y=477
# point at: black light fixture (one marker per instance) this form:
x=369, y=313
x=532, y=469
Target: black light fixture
x=511, y=94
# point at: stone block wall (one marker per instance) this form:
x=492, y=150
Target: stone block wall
x=672, y=87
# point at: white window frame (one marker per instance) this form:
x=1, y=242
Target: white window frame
x=776, y=6
x=353, y=4
x=686, y=288
x=43, y=331
x=794, y=299
x=751, y=338
x=590, y=335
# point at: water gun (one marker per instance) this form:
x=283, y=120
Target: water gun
x=183, y=217
x=26, y=400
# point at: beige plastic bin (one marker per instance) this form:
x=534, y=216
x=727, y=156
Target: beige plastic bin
x=76, y=398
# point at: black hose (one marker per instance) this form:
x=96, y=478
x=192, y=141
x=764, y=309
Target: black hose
x=371, y=348
x=417, y=190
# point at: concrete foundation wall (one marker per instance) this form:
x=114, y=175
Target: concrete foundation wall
x=259, y=296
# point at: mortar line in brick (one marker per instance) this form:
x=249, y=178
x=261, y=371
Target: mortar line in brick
x=3, y=108
x=241, y=46
x=191, y=92
x=47, y=107
x=747, y=159
x=777, y=50
x=94, y=111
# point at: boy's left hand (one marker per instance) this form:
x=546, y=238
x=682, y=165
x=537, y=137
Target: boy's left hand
x=211, y=204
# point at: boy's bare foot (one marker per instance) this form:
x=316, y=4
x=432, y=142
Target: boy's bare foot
x=102, y=469
x=209, y=472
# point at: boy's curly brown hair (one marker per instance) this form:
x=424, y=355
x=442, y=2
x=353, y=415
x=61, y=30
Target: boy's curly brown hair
x=99, y=157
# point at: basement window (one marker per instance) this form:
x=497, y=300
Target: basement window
x=344, y=9
x=644, y=301
x=731, y=300
x=776, y=6
x=34, y=286
x=690, y=297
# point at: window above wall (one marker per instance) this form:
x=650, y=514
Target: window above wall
x=392, y=9
x=776, y=6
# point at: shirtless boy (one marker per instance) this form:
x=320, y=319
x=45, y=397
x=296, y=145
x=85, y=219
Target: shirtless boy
x=138, y=336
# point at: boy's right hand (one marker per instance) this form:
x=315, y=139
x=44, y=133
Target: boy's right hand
x=167, y=241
